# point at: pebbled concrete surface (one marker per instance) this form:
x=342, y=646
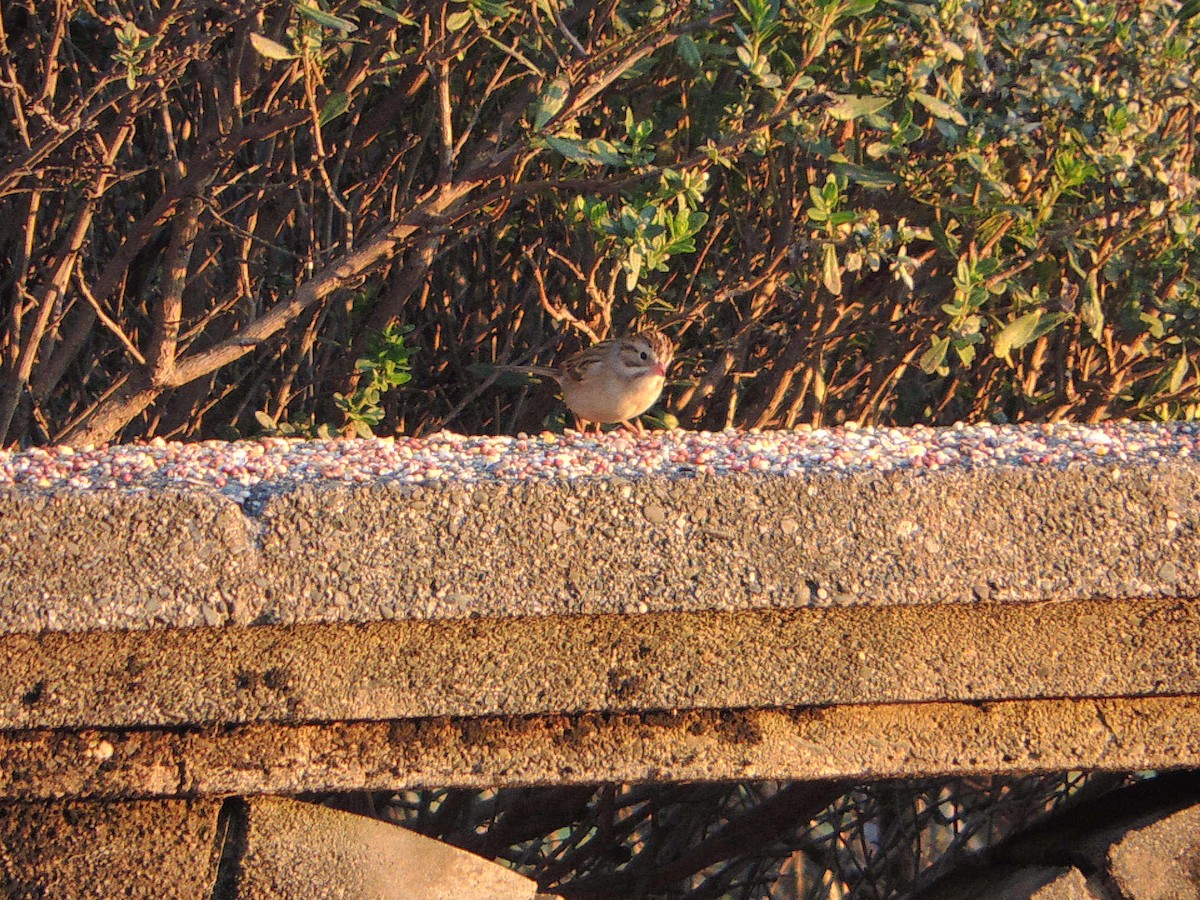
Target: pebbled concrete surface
x=119, y=559
x=114, y=559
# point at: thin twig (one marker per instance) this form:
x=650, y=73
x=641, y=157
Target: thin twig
x=107, y=321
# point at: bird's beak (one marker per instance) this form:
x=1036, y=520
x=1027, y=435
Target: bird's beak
x=660, y=370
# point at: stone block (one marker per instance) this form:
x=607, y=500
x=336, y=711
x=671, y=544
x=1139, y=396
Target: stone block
x=153, y=849
x=263, y=848
x=1161, y=860
x=302, y=850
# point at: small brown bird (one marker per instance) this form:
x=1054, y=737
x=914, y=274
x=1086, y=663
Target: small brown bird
x=612, y=381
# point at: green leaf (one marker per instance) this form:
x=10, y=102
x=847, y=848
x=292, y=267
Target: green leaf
x=1025, y=330
x=868, y=178
x=491, y=9
x=324, y=19
x=1178, y=374
x=269, y=48
x=1048, y=323
x=933, y=358
x=337, y=104
x=848, y=106
x=693, y=222
x=549, y=102
x=831, y=272
x=385, y=11
x=940, y=108
x=1154, y=325
x=1091, y=313
x=856, y=8
x=942, y=238
x=459, y=20
x=1016, y=334
x=633, y=269
x=595, y=151
x=987, y=266
x=689, y=51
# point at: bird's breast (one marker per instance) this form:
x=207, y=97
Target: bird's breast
x=617, y=400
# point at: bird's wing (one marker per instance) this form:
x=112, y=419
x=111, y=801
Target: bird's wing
x=583, y=363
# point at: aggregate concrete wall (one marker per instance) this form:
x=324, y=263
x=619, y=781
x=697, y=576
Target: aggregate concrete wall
x=161, y=618
x=193, y=558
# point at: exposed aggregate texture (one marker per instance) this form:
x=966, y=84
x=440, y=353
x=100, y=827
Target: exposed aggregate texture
x=238, y=469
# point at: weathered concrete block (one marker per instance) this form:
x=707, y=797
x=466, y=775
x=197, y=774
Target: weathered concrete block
x=1161, y=860
x=1004, y=599
x=723, y=543
x=262, y=848
x=1069, y=884
x=153, y=849
x=572, y=664
x=90, y=561
x=889, y=741
x=300, y=850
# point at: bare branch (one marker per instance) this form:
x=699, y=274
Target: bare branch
x=106, y=320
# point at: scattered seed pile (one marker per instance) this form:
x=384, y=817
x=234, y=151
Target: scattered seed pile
x=237, y=468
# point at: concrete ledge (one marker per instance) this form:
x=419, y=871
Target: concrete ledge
x=535, y=666
x=385, y=551
x=856, y=743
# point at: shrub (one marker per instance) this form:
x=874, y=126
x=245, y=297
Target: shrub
x=845, y=209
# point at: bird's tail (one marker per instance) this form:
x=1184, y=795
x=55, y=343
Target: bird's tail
x=543, y=371
x=484, y=370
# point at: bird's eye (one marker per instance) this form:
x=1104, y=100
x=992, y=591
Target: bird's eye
x=643, y=354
